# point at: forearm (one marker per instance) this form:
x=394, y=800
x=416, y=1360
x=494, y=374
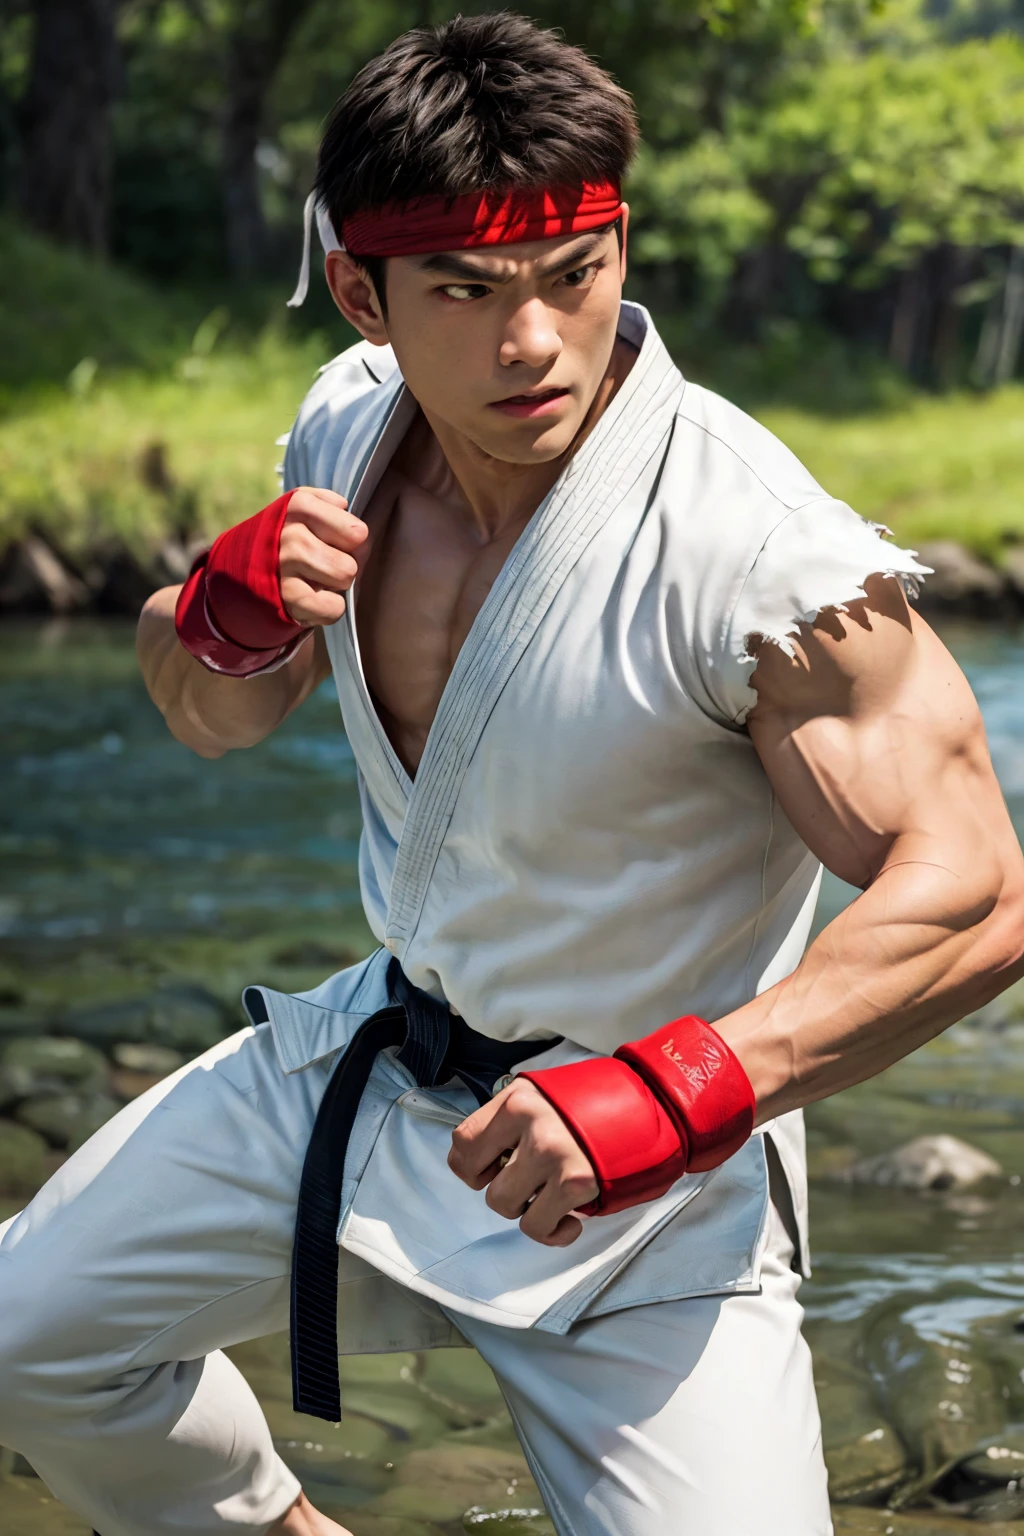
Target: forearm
x=937, y=934
x=209, y=713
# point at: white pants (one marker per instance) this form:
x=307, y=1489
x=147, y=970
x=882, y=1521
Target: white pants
x=168, y=1237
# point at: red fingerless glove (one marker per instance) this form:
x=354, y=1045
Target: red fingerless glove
x=229, y=614
x=676, y=1102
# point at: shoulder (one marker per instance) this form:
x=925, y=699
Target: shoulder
x=339, y=410
x=738, y=460
x=756, y=547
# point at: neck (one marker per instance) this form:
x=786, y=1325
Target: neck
x=499, y=494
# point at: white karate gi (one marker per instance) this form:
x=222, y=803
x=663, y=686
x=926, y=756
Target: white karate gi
x=590, y=847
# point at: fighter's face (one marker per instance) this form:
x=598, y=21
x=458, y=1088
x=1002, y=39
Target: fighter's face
x=507, y=345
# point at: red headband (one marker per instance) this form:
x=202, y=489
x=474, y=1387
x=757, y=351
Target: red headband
x=480, y=218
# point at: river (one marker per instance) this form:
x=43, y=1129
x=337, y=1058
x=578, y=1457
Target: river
x=138, y=882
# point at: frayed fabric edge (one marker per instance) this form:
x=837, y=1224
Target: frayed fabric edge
x=906, y=570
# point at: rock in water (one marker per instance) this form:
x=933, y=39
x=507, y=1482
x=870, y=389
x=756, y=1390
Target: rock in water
x=864, y=1456
x=22, y=1160
x=937, y=1389
x=31, y=1068
x=990, y=1480
x=927, y=1162
x=159, y=1060
x=67, y=1119
x=181, y=1017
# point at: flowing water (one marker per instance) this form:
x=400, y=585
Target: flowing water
x=142, y=885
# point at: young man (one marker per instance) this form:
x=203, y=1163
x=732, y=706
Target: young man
x=619, y=677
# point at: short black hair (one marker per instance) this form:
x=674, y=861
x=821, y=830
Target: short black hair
x=481, y=103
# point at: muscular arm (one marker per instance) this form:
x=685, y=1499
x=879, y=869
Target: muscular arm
x=875, y=748
x=213, y=714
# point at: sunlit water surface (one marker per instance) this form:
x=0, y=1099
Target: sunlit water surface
x=126, y=862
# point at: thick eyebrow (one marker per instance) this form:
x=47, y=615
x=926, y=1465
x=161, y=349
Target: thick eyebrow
x=452, y=264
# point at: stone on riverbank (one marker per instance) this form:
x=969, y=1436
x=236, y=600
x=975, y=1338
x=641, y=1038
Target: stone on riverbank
x=961, y=583
x=159, y=1060
x=34, y=1068
x=183, y=1018
x=22, y=1160
x=927, y=1162
x=67, y=1120
x=1013, y=569
x=445, y=1482
x=34, y=579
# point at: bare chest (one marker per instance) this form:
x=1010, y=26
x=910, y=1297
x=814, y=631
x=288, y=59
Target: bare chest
x=424, y=581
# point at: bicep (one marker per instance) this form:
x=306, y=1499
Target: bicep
x=871, y=738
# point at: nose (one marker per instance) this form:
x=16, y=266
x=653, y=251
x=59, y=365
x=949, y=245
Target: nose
x=531, y=336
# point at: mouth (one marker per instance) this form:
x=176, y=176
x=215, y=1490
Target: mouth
x=533, y=402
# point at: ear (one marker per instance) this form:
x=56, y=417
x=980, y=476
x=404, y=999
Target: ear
x=355, y=296
x=625, y=241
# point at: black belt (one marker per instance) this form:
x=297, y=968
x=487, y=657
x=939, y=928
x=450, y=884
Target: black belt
x=435, y=1046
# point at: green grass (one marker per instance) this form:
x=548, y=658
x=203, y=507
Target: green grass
x=79, y=468
x=58, y=306
x=103, y=376
x=934, y=468
x=951, y=467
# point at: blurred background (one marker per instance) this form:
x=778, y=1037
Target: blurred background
x=829, y=227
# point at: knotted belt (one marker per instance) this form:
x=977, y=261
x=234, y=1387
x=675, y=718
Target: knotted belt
x=434, y=1046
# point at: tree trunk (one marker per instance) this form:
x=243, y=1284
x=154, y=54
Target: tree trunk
x=256, y=43
x=903, y=336
x=1013, y=318
x=955, y=264
x=64, y=188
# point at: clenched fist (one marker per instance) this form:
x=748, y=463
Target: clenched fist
x=320, y=552
x=521, y=1151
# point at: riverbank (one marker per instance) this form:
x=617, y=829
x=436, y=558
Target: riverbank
x=108, y=482
x=136, y=423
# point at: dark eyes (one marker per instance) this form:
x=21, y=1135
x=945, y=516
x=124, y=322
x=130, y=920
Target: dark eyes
x=464, y=293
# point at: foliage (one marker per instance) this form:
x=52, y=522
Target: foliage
x=844, y=168
x=949, y=468
x=57, y=306
x=898, y=156
x=696, y=206
x=78, y=467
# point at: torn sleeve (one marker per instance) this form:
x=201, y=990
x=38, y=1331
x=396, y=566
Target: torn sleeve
x=818, y=557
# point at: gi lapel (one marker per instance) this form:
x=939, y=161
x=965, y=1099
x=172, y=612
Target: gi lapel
x=632, y=430
x=400, y=413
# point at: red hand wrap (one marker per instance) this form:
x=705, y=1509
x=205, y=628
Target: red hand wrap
x=676, y=1102
x=229, y=614
x=702, y=1085
x=633, y=1145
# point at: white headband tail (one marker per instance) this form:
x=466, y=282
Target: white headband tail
x=328, y=239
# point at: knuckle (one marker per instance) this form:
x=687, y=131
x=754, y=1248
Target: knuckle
x=544, y=1144
x=501, y=1203
x=533, y=1229
x=578, y=1188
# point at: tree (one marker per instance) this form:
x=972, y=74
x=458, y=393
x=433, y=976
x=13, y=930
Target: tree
x=258, y=35
x=64, y=184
